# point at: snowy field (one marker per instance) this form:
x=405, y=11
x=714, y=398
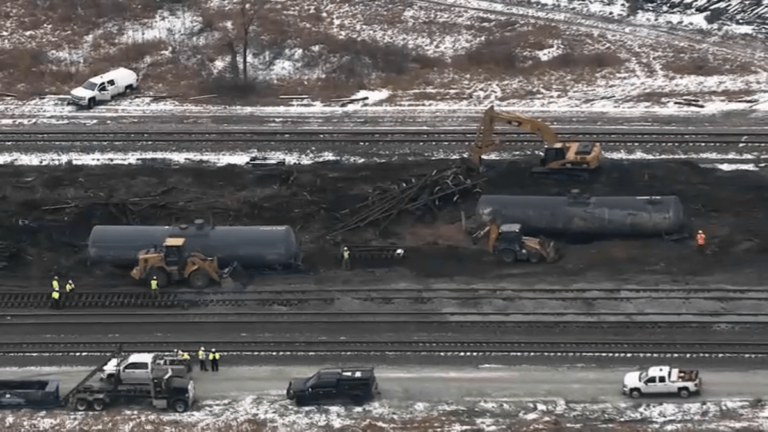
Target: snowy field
x=273, y=413
x=667, y=51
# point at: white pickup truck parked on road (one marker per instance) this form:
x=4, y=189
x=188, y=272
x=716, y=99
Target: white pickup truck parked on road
x=662, y=380
x=104, y=87
x=138, y=368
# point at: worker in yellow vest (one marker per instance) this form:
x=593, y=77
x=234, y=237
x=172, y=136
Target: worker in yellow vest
x=201, y=358
x=345, y=264
x=56, y=298
x=214, y=357
x=153, y=286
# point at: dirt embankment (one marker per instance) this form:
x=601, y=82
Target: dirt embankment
x=47, y=214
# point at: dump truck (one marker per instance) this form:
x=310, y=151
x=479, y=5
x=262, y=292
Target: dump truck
x=662, y=380
x=161, y=386
x=173, y=263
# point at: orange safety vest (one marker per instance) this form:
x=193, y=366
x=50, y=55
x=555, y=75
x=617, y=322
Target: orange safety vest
x=701, y=239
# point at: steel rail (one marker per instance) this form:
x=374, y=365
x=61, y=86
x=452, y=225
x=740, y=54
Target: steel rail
x=287, y=347
x=608, y=142
x=212, y=292
x=709, y=131
x=359, y=317
x=239, y=299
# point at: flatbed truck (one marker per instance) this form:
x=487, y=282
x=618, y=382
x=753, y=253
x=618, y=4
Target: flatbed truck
x=162, y=386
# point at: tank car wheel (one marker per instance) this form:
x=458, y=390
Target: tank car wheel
x=199, y=279
x=99, y=404
x=82, y=404
x=161, y=275
x=507, y=256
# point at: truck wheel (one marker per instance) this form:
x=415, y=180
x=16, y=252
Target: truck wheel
x=99, y=404
x=128, y=90
x=290, y=395
x=162, y=277
x=199, y=279
x=82, y=404
x=635, y=394
x=180, y=406
x=534, y=257
x=507, y=256
x=91, y=103
x=684, y=393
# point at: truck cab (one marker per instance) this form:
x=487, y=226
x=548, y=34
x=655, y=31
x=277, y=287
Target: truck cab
x=138, y=368
x=662, y=380
x=335, y=385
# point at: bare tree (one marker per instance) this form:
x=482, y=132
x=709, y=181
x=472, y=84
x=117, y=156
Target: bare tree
x=245, y=19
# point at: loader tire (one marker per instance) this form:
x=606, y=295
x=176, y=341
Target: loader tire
x=199, y=279
x=507, y=256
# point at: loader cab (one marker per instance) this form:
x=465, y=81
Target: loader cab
x=173, y=251
x=509, y=244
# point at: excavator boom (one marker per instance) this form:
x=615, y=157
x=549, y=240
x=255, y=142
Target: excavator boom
x=485, y=143
x=558, y=155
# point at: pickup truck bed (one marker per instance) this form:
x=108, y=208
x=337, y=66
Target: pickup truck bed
x=687, y=375
x=29, y=393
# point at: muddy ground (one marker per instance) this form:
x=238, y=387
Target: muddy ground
x=47, y=214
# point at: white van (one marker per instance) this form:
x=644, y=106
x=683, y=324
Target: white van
x=104, y=87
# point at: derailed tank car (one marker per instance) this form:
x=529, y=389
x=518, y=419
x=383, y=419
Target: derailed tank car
x=256, y=247
x=581, y=216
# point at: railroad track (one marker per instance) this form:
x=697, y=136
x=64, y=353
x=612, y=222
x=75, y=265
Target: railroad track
x=298, y=297
x=292, y=298
x=444, y=348
x=245, y=318
x=611, y=138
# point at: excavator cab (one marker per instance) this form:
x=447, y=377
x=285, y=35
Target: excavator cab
x=552, y=155
x=173, y=264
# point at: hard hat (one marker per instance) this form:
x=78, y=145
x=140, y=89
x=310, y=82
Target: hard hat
x=701, y=232
x=154, y=277
x=70, y=281
x=56, y=277
x=213, y=350
x=202, y=348
x=345, y=248
x=399, y=252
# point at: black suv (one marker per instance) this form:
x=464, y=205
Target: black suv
x=337, y=385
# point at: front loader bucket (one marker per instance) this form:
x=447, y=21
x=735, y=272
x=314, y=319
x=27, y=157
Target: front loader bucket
x=550, y=250
x=236, y=274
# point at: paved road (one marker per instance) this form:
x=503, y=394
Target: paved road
x=455, y=384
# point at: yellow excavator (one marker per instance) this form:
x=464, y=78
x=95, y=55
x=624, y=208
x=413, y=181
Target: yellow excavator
x=571, y=160
x=172, y=264
x=506, y=242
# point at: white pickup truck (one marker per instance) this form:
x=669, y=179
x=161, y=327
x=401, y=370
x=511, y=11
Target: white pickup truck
x=102, y=88
x=662, y=380
x=137, y=368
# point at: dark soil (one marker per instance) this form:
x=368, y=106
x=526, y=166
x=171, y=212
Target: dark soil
x=47, y=214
